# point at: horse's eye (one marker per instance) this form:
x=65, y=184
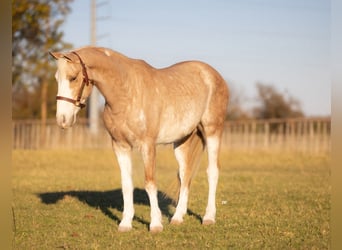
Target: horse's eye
x=72, y=78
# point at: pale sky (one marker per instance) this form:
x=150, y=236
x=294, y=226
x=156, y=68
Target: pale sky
x=281, y=42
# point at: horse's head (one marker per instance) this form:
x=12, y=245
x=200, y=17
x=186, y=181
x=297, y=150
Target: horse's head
x=73, y=87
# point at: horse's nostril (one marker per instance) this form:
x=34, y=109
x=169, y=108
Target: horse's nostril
x=61, y=120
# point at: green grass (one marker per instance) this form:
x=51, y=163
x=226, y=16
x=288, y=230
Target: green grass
x=72, y=200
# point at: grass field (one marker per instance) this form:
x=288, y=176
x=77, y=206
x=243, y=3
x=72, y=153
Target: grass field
x=72, y=200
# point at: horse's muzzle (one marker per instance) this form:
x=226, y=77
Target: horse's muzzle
x=64, y=121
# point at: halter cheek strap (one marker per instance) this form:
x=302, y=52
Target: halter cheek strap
x=85, y=82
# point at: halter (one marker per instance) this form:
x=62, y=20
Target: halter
x=85, y=82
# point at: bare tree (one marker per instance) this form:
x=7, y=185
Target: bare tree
x=273, y=104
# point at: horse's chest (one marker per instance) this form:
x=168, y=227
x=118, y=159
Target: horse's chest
x=115, y=125
x=122, y=128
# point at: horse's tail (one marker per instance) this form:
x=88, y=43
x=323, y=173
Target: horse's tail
x=196, y=149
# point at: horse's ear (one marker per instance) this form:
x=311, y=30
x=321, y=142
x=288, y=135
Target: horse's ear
x=67, y=57
x=57, y=55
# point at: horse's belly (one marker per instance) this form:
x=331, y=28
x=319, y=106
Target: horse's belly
x=173, y=133
x=175, y=127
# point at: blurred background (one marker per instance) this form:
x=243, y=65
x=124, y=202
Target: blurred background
x=274, y=55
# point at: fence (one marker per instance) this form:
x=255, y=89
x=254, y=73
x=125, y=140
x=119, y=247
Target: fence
x=305, y=135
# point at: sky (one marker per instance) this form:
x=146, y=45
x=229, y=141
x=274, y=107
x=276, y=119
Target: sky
x=284, y=43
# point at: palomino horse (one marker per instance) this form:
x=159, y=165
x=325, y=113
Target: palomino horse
x=184, y=104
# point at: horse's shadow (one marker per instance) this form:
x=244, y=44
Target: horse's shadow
x=107, y=200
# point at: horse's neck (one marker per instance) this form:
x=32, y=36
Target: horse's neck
x=110, y=77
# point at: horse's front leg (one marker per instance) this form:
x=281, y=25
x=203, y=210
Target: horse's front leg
x=148, y=151
x=125, y=162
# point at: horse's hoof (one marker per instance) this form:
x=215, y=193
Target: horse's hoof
x=123, y=229
x=176, y=222
x=156, y=229
x=208, y=222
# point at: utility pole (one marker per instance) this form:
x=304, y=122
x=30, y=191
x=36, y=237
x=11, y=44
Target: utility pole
x=94, y=97
x=44, y=90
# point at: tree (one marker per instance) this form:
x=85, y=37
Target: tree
x=35, y=31
x=273, y=104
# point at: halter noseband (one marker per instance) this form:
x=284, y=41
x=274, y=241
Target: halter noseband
x=85, y=82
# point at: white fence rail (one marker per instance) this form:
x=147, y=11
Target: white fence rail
x=276, y=134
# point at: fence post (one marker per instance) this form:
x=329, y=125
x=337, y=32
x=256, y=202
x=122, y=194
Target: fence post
x=266, y=134
x=253, y=135
x=281, y=135
x=325, y=138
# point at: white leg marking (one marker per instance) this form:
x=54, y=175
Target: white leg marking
x=125, y=163
x=184, y=191
x=148, y=154
x=213, y=174
x=156, y=217
x=181, y=208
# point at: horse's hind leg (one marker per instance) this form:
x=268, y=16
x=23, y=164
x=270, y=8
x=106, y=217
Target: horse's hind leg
x=213, y=143
x=213, y=146
x=213, y=124
x=187, y=152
